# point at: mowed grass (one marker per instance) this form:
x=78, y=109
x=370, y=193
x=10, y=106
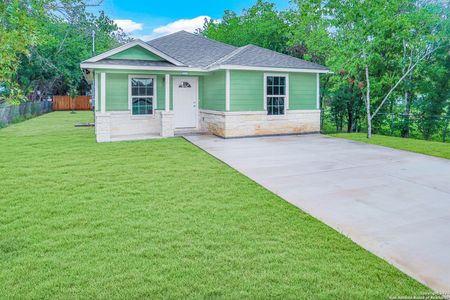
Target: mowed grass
x=161, y=219
x=419, y=146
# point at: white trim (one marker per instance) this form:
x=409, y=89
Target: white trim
x=286, y=92
x=227, y=90
x=131, y=44
x=167, y=91
x=103, y=92
x=265, y=92
x=318, y=92
x=91, y=62
x=197, y=104
x=269, y=69
x=96, y=94
x=286, y=101
x=89, y=65
x=154, y=96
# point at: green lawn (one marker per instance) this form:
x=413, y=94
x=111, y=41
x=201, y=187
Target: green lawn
x=420, y=146
x=160, y=218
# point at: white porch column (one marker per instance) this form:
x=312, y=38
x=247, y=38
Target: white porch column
x=103, y=92
x=96, y=91
x=318, y=92
x=227, y=90
x=167, y=100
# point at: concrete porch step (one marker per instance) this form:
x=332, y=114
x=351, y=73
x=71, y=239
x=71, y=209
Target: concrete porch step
x=134, y=137
x=188, y=131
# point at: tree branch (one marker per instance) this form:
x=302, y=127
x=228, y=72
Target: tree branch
x=410, y=68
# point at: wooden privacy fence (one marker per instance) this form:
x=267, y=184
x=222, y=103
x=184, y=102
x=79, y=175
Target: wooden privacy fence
x=65, y=103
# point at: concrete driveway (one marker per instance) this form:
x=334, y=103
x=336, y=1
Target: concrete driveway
x=394, y=203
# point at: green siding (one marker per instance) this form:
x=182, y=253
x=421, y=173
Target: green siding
x=302, y=91
x=116, y=92
x=213, y=91
x=246, y=91
x=136, y=52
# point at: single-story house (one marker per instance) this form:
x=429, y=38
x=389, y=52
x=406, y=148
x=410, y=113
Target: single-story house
x=184, y=82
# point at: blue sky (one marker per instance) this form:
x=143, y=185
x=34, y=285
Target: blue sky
x=149, y=19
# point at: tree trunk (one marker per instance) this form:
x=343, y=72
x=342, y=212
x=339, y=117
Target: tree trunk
x=350, y=121
x=408, y=102
x=369, y=117
x=350, y=109
x=322, y=102
x=444, y=135
x=406, y=115
x=447, y=122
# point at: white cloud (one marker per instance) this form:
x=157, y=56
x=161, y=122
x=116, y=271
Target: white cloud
x=145, y=37
x=189, y=25
x=129, y=25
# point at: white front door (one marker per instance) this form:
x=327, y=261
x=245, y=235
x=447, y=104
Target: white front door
x=185, y=98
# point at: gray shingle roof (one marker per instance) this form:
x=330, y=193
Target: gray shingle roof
x=195, y=51
x=255, y=56
x=191, y=49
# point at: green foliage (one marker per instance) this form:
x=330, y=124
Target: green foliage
x=17, y=36
x=260, y=25
x=42, y=43
x=99, y=221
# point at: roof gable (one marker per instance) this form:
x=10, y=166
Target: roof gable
x=136, y=53
x=132, y=44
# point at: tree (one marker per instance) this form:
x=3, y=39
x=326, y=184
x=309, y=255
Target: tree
x=17, y=36
x=310, y=37
x=53, y=65
x=370, y=36
x=42, y=43
x=260, y=25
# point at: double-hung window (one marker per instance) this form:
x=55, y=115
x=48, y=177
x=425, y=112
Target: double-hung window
x=276, y=94
x=142, y=94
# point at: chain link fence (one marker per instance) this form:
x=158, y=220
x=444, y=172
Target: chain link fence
x=434, y=128
x=26, y=110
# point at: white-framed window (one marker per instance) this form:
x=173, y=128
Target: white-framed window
x=276, y=88
x=141, y=94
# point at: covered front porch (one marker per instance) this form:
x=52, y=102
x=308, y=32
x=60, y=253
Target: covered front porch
x=137, y=105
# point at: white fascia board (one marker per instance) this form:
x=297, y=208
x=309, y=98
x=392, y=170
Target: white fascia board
x=87, y=65
x=269, y=69
x=130, y=45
